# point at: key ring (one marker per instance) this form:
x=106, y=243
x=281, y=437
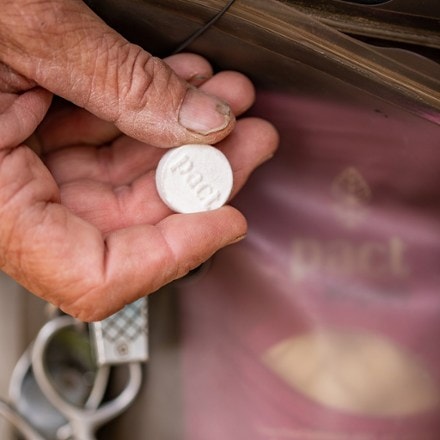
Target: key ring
x=83, y=421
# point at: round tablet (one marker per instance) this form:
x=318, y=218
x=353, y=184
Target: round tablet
x=194, y=178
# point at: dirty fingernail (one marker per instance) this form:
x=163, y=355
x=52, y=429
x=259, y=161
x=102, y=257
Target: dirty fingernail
x=203, y=114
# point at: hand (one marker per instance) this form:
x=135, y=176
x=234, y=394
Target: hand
x=81, y=224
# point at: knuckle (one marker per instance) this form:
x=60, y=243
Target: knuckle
x=124, y=73
x=137, y=70
x=144, y=80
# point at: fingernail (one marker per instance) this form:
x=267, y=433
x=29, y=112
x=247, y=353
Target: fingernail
x=202, y=113
x=238, y=239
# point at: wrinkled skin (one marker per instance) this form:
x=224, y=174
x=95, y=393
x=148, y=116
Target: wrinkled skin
x=81, y=224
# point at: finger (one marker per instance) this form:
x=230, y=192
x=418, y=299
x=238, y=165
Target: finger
x=117, y=164
x=248, y=148
x=21, y=114
x=68, y=262
x=71, y=125
x=191, y=67
x=233, y=88
x=109, y=208
x=67, y=49
x=13, y=82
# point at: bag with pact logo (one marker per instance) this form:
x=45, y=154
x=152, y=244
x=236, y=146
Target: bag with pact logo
x=323, y=324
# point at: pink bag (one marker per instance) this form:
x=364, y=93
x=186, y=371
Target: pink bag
x=323, y=324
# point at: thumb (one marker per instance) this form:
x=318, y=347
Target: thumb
x=64, y=47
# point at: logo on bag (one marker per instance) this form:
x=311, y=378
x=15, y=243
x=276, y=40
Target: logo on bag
x=352, y=196
x=379, y=258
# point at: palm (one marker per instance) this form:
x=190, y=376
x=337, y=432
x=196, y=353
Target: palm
x=108, y=181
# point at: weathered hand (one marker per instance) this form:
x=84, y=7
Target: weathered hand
x=81, y=224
